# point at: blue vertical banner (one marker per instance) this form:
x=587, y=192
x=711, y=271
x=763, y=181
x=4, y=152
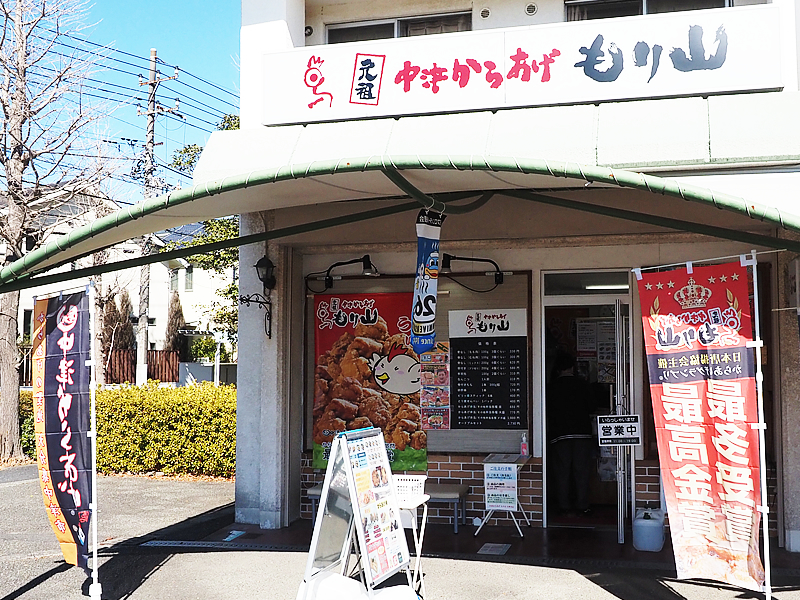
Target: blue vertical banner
x=61, y=350
x=423, y=312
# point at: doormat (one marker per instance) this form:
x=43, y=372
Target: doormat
x=497, y=549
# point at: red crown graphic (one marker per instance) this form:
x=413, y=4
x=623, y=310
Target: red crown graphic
x=693, y=295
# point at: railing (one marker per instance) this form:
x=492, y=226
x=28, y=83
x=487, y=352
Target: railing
x=26, y=366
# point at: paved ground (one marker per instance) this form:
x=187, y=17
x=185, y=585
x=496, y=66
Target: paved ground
x=134, y=510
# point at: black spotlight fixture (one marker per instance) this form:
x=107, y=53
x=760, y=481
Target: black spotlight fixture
x=448, y=258
x=367, y=268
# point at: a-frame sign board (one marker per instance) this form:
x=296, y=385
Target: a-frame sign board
x=358, y=512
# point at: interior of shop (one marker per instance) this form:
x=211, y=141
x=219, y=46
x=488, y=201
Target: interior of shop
x=587, y=334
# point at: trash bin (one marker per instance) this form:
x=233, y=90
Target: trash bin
x=648, y=530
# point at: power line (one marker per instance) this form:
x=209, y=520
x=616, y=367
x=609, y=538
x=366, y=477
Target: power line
x=190, y=124
x=159, y=60
x=206, y=93
x=139, y=75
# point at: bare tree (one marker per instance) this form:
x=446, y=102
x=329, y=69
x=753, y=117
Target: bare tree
x=51, y=170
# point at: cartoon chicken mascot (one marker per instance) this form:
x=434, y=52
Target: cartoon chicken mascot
x=397, y=372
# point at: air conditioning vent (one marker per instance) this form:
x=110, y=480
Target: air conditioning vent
x=531, y=9
x=486, y=13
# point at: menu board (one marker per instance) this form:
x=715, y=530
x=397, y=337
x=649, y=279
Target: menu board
x=378, y=515
x=488, y=369
x=435, y=394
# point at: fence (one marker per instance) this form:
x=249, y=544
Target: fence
x=121, y=366
x=163, y=365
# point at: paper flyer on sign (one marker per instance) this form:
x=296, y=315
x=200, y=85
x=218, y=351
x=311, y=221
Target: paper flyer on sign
x=696, y=328
x=500, y=482
x=380, y=519
x=435, y=395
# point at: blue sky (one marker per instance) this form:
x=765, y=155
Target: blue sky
x=199, y=36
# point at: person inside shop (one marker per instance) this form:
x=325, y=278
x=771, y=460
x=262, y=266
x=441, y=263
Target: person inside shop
x=570, y=403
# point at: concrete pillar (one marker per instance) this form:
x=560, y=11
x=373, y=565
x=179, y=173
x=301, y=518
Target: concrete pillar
x=789, y=357
x=263, y=468
x=267, y=26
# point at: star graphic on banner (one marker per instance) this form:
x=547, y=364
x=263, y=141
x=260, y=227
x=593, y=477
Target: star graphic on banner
x=723, y=278
x=670, y=284
x=660, y=285
x=735, y=277
x=648, y=286
x=712, y=279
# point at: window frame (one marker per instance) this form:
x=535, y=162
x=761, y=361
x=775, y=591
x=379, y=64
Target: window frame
x=395, y=21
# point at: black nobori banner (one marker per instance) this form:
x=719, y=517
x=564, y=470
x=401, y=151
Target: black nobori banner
x=61, y=376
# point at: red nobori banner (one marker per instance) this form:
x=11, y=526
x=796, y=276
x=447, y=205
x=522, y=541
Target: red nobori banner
x=696, y=328
x=61, y=419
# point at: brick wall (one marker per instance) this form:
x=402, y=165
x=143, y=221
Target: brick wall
x=648, y=490
x=467, y=469
x=456, y=468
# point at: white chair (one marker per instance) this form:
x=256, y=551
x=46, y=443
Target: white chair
x=410, y=490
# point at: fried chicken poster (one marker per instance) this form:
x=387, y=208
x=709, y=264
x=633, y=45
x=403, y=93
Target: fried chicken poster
x=696, y=328
x=367, y=375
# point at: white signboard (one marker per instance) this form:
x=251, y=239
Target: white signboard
x=500, y=484
x=358, y=499
x=677, y=54
x=377, y=514
x=509, y=322
x=619, y=430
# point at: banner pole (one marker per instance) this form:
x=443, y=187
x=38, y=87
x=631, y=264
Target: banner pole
x=95, y=589
x=757, y=345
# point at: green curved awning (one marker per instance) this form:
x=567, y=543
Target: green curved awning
x=131, y=222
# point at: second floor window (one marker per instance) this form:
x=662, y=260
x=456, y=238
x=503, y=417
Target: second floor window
x=391, y=28
x=581, y=10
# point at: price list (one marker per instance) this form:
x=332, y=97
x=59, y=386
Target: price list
x=489, y=383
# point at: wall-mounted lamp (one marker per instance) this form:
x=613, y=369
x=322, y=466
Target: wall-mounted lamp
x=266, y=273
x=265, y=270
x=367, y=268
x=448, y=258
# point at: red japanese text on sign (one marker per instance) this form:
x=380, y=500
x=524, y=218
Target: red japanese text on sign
x=696, y=328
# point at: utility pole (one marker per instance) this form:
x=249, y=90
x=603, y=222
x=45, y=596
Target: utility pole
x=150, y=190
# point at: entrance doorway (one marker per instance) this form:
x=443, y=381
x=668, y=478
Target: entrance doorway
x=587, y=372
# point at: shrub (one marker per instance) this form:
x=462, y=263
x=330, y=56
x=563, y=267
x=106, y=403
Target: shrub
x=26, y=436
x=207, y=348
x=188, y=430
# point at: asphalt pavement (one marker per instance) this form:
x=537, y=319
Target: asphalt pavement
x=136, y=514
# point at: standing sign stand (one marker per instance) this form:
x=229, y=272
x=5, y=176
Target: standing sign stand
x=500, y=482
x=358, y=513
x=95, y=589
x=757, y=344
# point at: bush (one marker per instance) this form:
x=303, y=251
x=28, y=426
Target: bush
x=26, y=437
x=207, y=348
x=185, y=430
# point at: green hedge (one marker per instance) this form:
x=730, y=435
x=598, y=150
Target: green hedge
x=185, y=430
x=26, y=424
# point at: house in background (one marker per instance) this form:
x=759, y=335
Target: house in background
x=196, y=287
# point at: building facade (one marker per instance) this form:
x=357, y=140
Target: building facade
x=567, y=142
x=670, y=90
